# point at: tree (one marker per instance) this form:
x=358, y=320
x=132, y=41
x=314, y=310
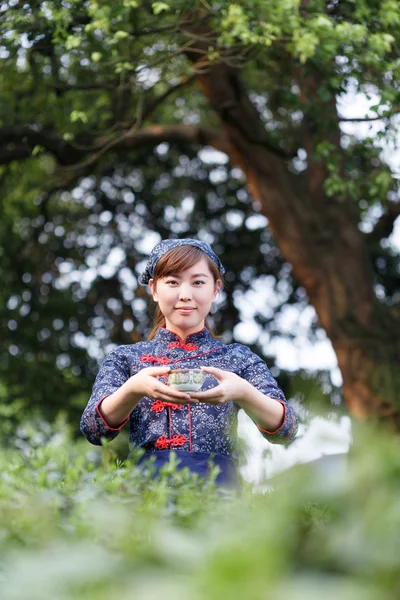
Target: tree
x=88, y=86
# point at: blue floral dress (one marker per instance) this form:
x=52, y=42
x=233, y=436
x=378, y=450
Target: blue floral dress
x=194, y=431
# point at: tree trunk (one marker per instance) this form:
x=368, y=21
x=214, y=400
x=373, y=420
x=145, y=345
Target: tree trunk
x=319, y=236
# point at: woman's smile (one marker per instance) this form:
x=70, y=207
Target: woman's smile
x=185, y=310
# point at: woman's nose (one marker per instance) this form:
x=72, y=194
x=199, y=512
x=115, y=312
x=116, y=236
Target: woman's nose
x=185, y=292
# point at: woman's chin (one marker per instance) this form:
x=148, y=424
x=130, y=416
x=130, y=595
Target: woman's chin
x=186, y=325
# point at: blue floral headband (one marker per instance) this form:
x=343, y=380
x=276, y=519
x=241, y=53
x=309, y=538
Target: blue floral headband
x=166, y=245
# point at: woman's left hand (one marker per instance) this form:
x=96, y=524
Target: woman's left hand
x=230, y=387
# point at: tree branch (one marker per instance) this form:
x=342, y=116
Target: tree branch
x=168, y=28
x=65, y=87
x=389, y=115
x=16, y=152
x=183, y=135
x=25, y=138
x=176, y=134
x=157, y=101
x=384, y=226
x=22, y=140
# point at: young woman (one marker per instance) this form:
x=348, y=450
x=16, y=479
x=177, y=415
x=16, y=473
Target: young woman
x=185, y=277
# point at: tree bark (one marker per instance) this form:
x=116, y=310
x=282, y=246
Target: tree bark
x=23, y=139
x=319, y=236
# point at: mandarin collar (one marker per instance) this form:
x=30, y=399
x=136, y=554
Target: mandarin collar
x=164, y=335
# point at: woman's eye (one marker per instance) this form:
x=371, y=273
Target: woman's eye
x=198, y=282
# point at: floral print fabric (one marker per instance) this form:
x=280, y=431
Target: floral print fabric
x=190, y=427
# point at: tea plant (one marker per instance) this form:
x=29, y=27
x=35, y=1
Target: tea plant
x=78, y=523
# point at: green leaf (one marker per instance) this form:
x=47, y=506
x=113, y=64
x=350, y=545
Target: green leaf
x=213, y=55
x=305, y=43
x=72, y=41
x=36, y=150
x=159, y=7
x=120, y=35
x=125, y=66
x=78, y=115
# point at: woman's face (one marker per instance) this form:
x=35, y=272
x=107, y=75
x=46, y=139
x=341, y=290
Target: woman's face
x=185, y=298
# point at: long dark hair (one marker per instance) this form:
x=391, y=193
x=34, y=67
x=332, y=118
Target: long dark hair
x=173, y=262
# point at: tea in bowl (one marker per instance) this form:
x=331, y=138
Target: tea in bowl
x=186, y=380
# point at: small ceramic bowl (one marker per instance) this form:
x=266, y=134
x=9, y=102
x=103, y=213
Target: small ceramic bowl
x=186, y=380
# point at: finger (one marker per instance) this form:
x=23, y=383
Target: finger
x=166, y=398
x=213, y=401
x=154, y=371
x=171, y=393
x=219, y=374
x=214, y=393
x=173, y=399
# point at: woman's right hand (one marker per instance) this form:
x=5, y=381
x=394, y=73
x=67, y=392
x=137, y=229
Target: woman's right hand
x=117, y=407
x=146, y=383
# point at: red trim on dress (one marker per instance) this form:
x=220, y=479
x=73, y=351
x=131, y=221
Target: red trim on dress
x=196, y=355
x=190, y=347
x=163, y=443
x=283, y=422
x=149, y=358
x=179, y=338
x=163, y=360
x=190, y=428
x=158, y=406
x=104, y=421
x=169, y=421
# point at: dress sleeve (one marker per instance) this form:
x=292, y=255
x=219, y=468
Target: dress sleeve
x=257, y=373
x=113, y=373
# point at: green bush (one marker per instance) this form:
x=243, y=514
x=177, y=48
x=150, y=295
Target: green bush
x=77, y=523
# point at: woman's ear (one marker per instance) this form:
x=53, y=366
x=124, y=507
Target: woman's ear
x=217, y=287
x=153, y=290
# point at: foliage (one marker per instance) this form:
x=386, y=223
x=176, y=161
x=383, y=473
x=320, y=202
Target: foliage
x=80, y=81
x=83, y=76
x=76, y=523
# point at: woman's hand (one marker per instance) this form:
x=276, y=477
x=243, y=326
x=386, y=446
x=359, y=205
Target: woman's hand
x=146, y=383
x=230, y=387
x=267, y=412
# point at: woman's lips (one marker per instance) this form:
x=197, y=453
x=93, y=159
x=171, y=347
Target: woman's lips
x=185, y=311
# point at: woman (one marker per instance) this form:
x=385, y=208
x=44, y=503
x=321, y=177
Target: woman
x=185, y=277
